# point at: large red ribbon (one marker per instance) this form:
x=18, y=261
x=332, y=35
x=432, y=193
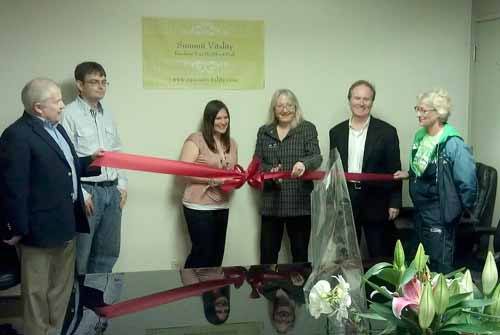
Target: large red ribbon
x=234, y=276
x=233, y=179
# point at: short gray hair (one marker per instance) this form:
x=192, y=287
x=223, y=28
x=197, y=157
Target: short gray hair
x=293, y=99
x=439, y=100
x=35, y=91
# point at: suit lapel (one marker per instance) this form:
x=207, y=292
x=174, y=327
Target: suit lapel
x=40, y=131
x=343, y=144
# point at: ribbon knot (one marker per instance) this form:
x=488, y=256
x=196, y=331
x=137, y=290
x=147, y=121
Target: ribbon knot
x=253, y=176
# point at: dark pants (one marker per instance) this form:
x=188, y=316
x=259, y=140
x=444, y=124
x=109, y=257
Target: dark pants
x=380, y=234
x=207, y=230
x=298, y=229
x=438, y=239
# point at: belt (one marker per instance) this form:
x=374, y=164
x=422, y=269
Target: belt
x=106, y=183
x=355, y=185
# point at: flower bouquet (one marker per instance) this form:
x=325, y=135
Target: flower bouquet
x=335, y=287
x=423, y=302
x=337, y=304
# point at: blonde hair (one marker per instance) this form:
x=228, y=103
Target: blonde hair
x=439, y=100
x=293, y=100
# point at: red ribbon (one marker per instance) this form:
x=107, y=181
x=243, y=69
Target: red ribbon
x=384, y=177
x=232, y=178
x=235, y=277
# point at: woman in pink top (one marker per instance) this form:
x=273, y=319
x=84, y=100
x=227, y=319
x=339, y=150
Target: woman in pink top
x=206, y=206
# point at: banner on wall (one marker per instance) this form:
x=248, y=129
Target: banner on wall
x=202, y=53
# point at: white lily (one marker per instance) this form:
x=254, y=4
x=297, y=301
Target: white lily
x=318, y=299
x=333, y=302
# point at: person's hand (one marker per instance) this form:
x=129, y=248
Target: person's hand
x=393, y=213
x=123, y=198
x=214, y=182
x=97, y=154
x=276, y=168
x=401, y=175
x=296, y=279
x=14, y=240
x=298, y=170
x=89, y=206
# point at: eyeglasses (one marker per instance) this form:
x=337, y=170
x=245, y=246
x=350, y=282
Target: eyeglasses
x=95, y=82
x=289, y=107
x=423, y=111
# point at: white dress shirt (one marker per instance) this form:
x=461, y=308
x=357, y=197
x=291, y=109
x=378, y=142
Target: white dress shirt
x=357, y=139
x=90, y=130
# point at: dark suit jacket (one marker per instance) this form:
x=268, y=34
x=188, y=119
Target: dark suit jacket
x=381, y=155
x=37, y=186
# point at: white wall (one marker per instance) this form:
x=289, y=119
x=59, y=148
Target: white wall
x=485, y=8
x=316, y=48
x=485, y=108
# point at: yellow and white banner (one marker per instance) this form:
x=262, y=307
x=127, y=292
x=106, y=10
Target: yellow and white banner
x=202, y=53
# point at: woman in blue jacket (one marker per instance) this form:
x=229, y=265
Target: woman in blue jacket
x=442, y=178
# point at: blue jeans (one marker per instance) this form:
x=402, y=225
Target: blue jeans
x=207, y=230
x=438, y=239
x=98, y=251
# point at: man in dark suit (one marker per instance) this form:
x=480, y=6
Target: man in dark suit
x=367, y=144
x=42, y=204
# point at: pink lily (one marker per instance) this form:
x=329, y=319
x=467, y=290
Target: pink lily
x=410, y=298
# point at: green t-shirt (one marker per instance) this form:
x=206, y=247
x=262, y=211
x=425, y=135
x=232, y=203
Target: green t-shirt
x=425, y=152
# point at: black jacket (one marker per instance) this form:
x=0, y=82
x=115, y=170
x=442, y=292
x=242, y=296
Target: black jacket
x=36, y=185
x=381, y=155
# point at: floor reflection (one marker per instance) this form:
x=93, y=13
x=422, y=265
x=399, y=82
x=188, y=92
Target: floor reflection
x=262, y=299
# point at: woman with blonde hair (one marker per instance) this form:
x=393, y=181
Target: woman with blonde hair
x=287, y=143
x=442, y=178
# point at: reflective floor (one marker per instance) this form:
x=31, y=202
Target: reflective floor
x=234, y=300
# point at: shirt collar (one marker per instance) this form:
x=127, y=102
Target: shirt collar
x=367, y=123
x=87, y=107
x=45, y=123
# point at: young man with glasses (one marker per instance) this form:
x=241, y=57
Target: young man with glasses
x=91, y=126
x=369, y=145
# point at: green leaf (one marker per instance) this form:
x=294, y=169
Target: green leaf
x=476, y=303
x=482, y=316
x=386, y=312
x=481, y=328
x=391, y=329
x=451, y=312
x=452, y=274
x=390, y=275
x=457, y=298
x=371, y=316
x=379, y=289
x=374, y=270
x=410, y=272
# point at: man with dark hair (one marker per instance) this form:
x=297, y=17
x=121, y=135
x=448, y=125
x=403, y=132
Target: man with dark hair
x=367, y=144
x=91, y=126
x=42, y=204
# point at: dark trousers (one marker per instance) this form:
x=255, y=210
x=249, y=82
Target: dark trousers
x=298, y=229
x=438, y=239
x=380, y=234
x=207, y=230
